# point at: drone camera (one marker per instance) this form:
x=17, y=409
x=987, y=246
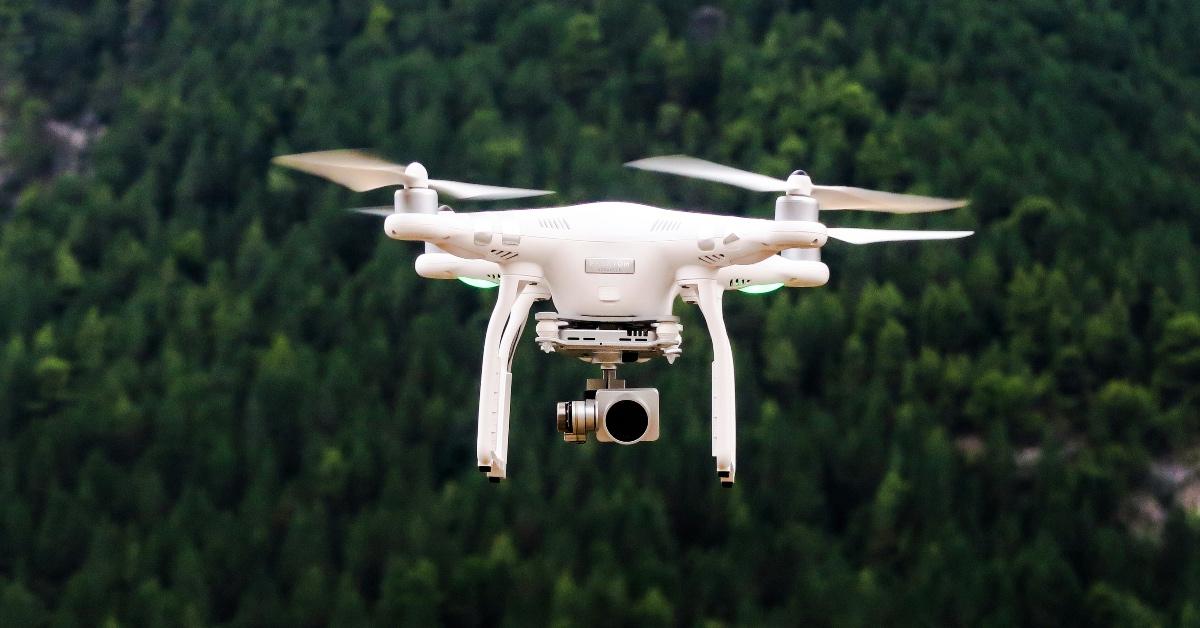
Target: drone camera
x=627, y=415
x=624, y=416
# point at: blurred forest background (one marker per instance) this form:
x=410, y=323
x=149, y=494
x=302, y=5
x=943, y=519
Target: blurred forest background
x=225, y=401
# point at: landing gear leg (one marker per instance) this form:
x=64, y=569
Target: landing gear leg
x=513, y=300
x=724, y=419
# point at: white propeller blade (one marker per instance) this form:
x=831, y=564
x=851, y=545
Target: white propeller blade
x=361, y=172
x=474, y=191
x=381, y=210
x=685, y=166
x=842, y=197
x=871, y=236
x=354, y=169
x=830, y=196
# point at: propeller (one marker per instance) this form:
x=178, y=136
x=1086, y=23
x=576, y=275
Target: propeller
x=362, y=171
x=379, y=210
x=829, y=196
x=871, y=236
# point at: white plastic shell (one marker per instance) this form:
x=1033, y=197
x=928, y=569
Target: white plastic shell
x=773, y=270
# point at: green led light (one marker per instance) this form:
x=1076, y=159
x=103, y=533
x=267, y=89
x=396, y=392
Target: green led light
x=763, y=289
x=478, y=283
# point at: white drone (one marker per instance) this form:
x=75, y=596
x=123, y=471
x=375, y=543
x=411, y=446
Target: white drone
x=613, y=271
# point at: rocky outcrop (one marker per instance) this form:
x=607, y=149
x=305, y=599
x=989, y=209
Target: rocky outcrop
x=72, y=140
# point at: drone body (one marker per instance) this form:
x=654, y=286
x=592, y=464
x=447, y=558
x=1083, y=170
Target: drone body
x=613, y=271
x=609, y=259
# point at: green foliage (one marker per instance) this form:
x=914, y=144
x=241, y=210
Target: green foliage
x=223, y=402
x=19, y=607
x=1179, y=354
x=1109, y=606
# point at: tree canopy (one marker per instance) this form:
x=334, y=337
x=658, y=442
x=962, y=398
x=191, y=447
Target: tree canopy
x=225, y=401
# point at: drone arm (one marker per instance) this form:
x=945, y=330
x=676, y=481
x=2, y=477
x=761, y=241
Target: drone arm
x=751, y=240
x=449, y=266
x=428, y=227
x=447, y=232
x=775, y=269
x=724, y=419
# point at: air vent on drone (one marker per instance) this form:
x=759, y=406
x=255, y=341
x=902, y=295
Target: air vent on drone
x=713, y=259
x=504, y=255
x=559, y=224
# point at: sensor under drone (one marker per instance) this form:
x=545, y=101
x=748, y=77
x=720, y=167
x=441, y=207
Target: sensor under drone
x=613, y=271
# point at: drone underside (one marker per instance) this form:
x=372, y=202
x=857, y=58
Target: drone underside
x=613, y=271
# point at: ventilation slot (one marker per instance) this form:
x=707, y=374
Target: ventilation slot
x=559, y=224
x=504, y=255
x=713, y=259
x=638, y=335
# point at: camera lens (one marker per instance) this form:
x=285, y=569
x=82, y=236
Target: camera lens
x=626, y=420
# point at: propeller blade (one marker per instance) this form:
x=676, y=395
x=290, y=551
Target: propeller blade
x=354, y=169
x=871, y=236
x=841, y=197
x=362, y=171
x=701, y=169
x=830, y=196
x=476, y=192
x=381, y=210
